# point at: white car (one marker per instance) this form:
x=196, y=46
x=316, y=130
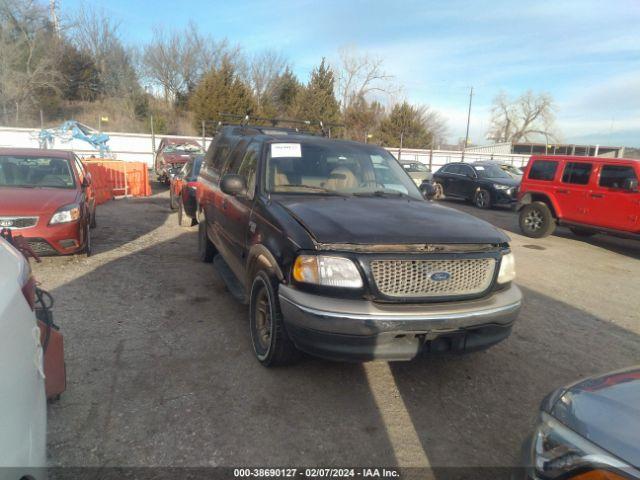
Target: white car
x=23, y=404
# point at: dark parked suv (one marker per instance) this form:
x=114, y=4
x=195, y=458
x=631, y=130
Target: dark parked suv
x=484, y=183
x=338, y=254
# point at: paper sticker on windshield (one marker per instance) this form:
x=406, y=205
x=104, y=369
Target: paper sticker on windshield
x=289, y=150
x=479, y=168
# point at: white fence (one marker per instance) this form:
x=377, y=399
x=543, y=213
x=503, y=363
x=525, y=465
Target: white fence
x=138, y=147
x=133, y=147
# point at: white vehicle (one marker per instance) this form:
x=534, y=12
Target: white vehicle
x=23, y=404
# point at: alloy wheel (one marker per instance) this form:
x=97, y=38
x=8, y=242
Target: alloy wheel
x=263, y=319
x=533, y=220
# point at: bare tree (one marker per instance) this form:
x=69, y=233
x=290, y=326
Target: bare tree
x=177, y=61
x=265, y=68
x=520, y=119
x=360, y=75
x=96, y=32
x=28, y=55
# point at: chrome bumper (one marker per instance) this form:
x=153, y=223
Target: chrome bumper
x=360, y=329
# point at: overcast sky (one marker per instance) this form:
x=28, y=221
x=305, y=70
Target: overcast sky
x=585, y=53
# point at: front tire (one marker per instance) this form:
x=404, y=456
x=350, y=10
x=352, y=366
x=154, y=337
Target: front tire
x=482, y=199
x=88, y=247
x=183, y=219
x=439, y=191
x=173, y=204
x=206, y=249
x=271, y=343
x=536, y=220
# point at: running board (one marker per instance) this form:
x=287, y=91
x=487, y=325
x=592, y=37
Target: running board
x=231, y=281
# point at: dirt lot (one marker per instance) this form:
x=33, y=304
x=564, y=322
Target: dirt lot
x=161, y=370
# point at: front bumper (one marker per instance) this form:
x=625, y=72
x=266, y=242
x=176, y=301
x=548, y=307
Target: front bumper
x=61, y=239
x=346, y=329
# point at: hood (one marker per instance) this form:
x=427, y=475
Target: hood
x=386, y=220
x=512, y=182
x=175, y=157
x=31, y=201
x=606, y=411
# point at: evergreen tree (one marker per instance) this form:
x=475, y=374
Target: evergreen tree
x=220, y=91
x=408, y=122
x=362, y=118
x=317, y=101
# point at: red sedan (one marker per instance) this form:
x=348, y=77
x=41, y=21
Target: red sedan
x=46, y=196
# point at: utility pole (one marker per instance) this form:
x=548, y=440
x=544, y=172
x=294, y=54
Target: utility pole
x=466, y=137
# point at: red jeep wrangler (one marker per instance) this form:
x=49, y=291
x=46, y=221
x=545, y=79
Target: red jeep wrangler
x=587, y=194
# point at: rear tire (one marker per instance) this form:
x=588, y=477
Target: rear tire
x=271, y=343
x=582, y=232
x=206, y=249
x=482, y=199
x=536, y=220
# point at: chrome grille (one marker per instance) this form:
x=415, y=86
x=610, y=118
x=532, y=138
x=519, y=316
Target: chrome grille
x=415, y=278
x=18, y=222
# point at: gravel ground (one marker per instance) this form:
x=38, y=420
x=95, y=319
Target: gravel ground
x=161, y=372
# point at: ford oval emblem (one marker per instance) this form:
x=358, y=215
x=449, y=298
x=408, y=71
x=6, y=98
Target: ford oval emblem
x=440, y=276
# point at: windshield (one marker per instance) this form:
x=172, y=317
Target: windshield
x=511, y=169
x=183, y=148
x=415, y=167
x=490, y=171
x=335, y=169
x=17, y=171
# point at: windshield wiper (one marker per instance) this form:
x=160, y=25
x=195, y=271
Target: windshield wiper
x=311, y=188
x=381, y=193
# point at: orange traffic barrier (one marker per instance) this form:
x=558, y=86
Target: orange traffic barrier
x=113, y=178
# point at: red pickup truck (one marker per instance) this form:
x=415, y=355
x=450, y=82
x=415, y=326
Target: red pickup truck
x=587, y=194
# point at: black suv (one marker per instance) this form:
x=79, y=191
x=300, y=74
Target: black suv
x=338, y=254
x=484, y=183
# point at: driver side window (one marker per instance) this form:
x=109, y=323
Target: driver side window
x=249, y=166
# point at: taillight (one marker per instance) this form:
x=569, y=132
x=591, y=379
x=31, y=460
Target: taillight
x=29, y=292
x=28, y=283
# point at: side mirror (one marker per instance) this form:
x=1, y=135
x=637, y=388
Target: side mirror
x=86, y=181
x=630, y=184
x=232, y=184
x=428, y=190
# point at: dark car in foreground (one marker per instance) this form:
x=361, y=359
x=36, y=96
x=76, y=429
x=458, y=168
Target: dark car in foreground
x=339, y=255
x=172, y=154
x=484, y=183
x=46, y=196
x=183, y=191
x=588, y=431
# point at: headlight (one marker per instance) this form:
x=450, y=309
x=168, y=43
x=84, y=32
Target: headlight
x=327, y=271
x=65, y=214
x=559, y=452
x=507, y=268
x=497, y=186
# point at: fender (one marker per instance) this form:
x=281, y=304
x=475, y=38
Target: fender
x=530, y=197
x=260, y=255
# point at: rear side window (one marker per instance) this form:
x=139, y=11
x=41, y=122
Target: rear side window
x=249, y=165
x=577, y=173
x=543, y=170
x=613, y=176
x=452, y=168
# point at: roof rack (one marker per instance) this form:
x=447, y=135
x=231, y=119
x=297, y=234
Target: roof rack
x=325, y=128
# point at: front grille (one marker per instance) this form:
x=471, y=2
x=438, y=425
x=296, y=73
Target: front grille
x=433, y=278
x=41, y=247
x=16, y=223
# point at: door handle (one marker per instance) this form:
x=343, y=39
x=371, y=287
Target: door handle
x=597, y=195
x=562, y=191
